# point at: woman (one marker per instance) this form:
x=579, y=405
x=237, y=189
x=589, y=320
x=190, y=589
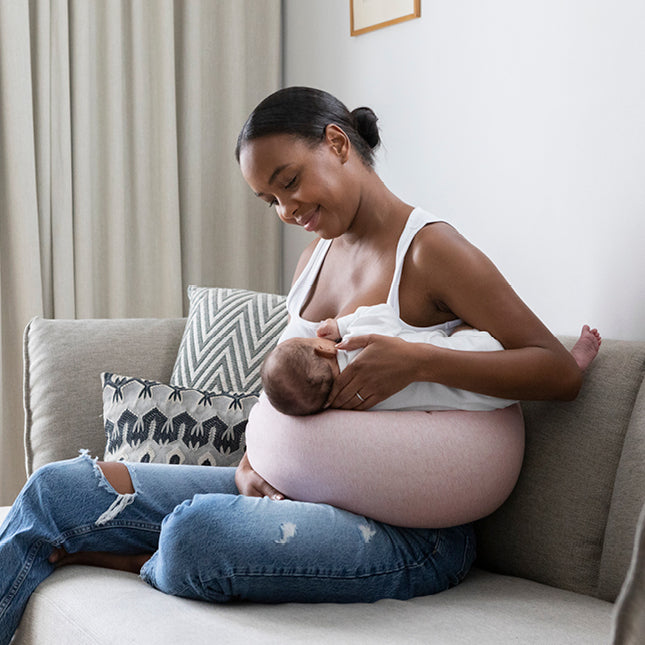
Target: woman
x=302, y=151
x=186, y=529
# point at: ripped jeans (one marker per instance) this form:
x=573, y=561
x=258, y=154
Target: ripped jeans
x=211, y=543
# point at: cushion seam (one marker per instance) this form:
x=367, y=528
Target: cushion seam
x=65, y=610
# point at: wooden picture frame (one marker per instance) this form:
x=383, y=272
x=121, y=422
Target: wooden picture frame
x=368, y=15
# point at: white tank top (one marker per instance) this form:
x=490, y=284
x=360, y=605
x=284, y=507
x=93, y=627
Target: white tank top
x=299, y=327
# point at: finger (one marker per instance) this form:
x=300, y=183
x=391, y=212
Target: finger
x=257, y=486
x=343, y=388
x=359, y=405
x=351, y=398
x=345, y=397
x=264, y=489
x=358, y=395
x=273, y=493
x=332, y=397
x=355, y=342
x=336, y=388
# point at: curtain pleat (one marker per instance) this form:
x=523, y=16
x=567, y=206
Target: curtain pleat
x=208, y=179
x=20, y=277
x=118, y=183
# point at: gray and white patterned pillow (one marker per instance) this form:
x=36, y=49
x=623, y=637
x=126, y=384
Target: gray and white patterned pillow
x=147, y=421
x=227, y=336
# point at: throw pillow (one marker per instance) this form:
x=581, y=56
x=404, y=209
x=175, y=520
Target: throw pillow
x=147, y=421
x=228, y=333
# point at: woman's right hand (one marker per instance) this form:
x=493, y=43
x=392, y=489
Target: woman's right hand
x=361, y=385
x=251, y=484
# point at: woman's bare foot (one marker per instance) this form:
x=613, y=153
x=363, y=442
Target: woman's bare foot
x=586, y=347
x=131, y=563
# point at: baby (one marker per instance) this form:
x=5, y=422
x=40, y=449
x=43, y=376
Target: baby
x=297, y=376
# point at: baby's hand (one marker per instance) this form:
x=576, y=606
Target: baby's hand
x=328, y=329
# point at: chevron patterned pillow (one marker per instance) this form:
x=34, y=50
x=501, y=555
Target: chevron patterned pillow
x=227, y=336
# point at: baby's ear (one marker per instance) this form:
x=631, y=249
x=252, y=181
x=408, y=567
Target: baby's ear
x=326, y=350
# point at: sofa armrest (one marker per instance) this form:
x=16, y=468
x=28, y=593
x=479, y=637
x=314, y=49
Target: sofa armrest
x=63, y=360
x=629, y=617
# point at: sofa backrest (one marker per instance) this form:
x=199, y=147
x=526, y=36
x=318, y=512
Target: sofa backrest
x=63, y=360
x=570, y=521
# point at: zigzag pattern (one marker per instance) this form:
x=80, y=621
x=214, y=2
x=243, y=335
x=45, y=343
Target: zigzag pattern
x=227, y=336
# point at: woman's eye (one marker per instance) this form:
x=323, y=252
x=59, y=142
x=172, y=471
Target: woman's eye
x=272, y=203
x=291, y=182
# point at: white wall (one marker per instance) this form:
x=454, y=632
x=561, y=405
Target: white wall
x=522, y=123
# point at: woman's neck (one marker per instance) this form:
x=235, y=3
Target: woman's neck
x=379, y=214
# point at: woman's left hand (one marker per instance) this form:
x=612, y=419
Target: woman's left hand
x=384, y=367
x=251, y=484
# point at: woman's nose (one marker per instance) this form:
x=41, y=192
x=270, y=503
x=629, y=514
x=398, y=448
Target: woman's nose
x=286, y=211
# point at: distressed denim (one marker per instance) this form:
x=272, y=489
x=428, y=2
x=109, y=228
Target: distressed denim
x=213, y=544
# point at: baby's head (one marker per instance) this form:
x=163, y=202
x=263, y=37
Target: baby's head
x=297, y=376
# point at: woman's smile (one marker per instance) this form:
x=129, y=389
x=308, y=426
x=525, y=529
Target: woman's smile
x=310, y=187
x=310, y=220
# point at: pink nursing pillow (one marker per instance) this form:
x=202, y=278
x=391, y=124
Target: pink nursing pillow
x=424, y=469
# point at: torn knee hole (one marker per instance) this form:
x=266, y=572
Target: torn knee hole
x=115, y=478
x=118, y=476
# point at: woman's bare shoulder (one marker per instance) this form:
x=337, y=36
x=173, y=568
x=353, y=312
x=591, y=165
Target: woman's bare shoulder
x=469, y=284
x=440, y=249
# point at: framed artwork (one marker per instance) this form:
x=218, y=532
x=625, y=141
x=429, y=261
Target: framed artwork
x=368, y=15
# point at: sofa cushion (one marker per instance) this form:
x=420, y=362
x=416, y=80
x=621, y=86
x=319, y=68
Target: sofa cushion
x=77, y=603
x=227, y=336
x=62, y=389
x=152, y=422
x=552, y=527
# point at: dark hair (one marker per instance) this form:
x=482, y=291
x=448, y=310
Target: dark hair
x=306, y=112
x=295, y=380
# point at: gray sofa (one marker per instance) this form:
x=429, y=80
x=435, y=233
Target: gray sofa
x=552, y=561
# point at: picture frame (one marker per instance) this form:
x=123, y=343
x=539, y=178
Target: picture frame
x=368, y=15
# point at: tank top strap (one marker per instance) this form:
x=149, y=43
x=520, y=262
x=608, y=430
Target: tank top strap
x=417, y=219
x=302, y=286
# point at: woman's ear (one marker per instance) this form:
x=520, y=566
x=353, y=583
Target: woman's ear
x=338, y=140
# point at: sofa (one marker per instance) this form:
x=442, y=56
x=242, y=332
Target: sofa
x=556, y=563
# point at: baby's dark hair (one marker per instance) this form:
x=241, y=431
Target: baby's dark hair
x=306, y=112
x=295, y=379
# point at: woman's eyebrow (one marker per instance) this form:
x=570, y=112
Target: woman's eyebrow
x=275, y=173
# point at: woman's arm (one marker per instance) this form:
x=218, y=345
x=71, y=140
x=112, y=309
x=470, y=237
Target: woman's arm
x=453, y=275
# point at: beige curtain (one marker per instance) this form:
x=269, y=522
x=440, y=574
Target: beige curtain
x=118, y=183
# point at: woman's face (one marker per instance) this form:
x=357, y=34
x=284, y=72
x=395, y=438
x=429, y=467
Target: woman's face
x=310, y=186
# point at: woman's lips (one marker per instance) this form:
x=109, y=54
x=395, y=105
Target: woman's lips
x=310, y=222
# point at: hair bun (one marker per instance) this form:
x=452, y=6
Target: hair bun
x=366, y=125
